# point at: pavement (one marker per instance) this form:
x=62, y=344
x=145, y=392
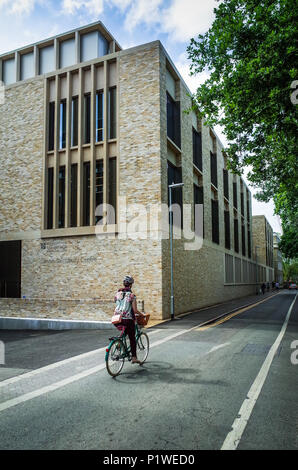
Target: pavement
x=212, y=313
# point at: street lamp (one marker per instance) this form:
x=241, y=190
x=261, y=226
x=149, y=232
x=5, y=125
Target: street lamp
x=172, y=186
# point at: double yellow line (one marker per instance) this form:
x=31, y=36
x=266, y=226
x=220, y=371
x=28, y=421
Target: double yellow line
x=231, y=315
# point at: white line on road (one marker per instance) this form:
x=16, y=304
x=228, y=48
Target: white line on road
x=215, y=348
x=233, y=438
x=74, y=378
x=50, y=388
x=79, y=357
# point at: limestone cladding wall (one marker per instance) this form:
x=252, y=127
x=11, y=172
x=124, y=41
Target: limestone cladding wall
x=90, y=267
x=198, y=274
x=21, y=157
x=259, y=238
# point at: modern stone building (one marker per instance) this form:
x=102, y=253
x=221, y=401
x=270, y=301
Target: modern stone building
x=84, y=123
x=277, y=259
x=263, y=248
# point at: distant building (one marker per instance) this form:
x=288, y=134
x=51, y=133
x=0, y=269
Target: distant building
x=277, y=259
x=262, y=236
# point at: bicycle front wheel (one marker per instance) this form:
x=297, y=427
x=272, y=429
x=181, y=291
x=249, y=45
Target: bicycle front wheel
x=143, y=347
x=115, y=358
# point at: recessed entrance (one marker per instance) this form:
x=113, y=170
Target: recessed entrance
x=10, y=269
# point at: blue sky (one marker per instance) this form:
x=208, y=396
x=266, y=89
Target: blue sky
x=131, y=22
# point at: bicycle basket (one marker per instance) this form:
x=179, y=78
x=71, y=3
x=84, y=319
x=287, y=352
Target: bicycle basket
x=142, y=321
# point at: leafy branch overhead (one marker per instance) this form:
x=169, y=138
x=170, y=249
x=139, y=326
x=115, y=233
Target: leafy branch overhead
x=251, y=54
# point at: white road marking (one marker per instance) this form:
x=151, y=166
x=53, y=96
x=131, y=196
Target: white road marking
x=62, y=383
x=215, y=348
x=234, y=436
x=50, y=388
x=32, y=373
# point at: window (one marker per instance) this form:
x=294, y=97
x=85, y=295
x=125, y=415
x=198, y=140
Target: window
x=213, y=168
x=197, y=148
x=226, y=183
x=175, y=176
x=61, y=220
x=235, y=195
x=112, y=111
x=248, y=242
x=229, y=269
x=27, y=65
x=98, y=187
x=198, y=199
x=99, y=115
x=51, y=140
x=173, y=120
x=74, y=121
x=87, y=127
x=50, y=197
x=113, y=186
x=242, y=202
x=73, y=194
x=86, y=193
x=67, y=53
x=9, y=71
x=236, y=236
x=93, y=45
x=215, y=224
x=227, y=230
x=46, y=59
x=243, y=239
x=62, y=130
x=247, y=206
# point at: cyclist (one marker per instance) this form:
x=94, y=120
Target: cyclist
x=126, y=303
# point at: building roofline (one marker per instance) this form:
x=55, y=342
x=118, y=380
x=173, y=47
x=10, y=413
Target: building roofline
x=92, y=26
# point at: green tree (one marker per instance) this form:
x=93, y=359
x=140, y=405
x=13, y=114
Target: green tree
x=250, y=51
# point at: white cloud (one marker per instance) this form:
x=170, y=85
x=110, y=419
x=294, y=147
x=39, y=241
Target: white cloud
x=94, y=7
x=187, y=18
x=18, y=6
x=142, y=11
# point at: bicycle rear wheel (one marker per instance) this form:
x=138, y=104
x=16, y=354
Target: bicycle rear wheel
x=115, y=358
x=142, y=347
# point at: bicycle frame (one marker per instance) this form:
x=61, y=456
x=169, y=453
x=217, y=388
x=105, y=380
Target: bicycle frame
x=122, y=338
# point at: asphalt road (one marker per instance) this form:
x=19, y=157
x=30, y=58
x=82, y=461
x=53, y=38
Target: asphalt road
x=230, y=385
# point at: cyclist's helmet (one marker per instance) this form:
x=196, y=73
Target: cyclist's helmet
x=128, y=281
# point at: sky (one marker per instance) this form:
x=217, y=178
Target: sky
x=131, y=22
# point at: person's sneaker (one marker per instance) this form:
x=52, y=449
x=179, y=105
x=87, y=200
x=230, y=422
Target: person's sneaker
x=135, y=361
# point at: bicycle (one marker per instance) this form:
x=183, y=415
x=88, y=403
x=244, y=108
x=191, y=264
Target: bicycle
x=119, y=350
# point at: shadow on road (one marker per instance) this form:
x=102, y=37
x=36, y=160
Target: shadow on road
x=165, y=372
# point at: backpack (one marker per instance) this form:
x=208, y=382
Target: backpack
x=123, y=303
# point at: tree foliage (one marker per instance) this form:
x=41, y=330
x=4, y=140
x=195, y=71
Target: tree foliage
x=251, y=53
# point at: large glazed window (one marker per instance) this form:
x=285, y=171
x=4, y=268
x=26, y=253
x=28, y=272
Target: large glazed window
x=80, y=133
x=99, y=115
x=50, y=194
x=215, y=221
x=74, y=121
x=197, y=149
x=87, y=124
x=9, y=71
x=62, y=129
x=27, y=66
x=46, y=59
x=112, y=111
x=67, y=54
x=51, y=138
x=61, y=221
x=173, y=120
